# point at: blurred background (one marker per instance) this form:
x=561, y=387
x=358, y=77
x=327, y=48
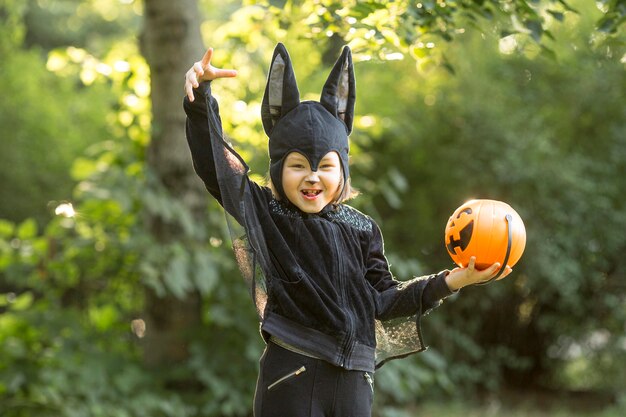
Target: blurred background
x=119, y=294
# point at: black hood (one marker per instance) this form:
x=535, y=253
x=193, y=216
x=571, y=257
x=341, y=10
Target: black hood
x=310, y=128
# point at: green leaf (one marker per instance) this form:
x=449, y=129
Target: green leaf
x=278, y=3
x=487, y=13
x=391, y=196
x=419, y=52
x=398, y=180
x=567, y=7
x=151, y=278
x=27, y=230
x=434, y=360
x=189, y=224
x=363, y=9
x=606, y=24
x=535, y=28
x=205, y=273
x=103, y=317
x=507, y=32
x=557, y=15
x=23, y=301
x=176, y=277
x=83, y=168
x=4, y=299
x=6, y=229
x=547, y=52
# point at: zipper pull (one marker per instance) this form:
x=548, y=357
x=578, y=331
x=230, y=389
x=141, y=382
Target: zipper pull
x=286, y=377
x=370, y=381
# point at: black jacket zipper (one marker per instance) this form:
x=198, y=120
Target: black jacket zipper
x=348, y=344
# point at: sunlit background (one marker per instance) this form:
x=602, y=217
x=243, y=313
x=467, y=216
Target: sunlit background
x=119, y=294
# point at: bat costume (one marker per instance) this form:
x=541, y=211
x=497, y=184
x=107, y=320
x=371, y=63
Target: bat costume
x=330, y=310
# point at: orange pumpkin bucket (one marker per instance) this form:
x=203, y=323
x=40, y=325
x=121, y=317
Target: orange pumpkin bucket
x=490, y=230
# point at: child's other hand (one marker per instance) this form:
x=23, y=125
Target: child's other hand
x=461, y=277
x=204, y=71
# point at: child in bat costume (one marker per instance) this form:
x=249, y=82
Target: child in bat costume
x=330, y=310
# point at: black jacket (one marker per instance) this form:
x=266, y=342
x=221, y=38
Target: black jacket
x=328, y=285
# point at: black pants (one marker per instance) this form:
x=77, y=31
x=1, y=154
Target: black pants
x=293, y=385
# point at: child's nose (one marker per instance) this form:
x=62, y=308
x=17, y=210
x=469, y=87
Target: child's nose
x=312, y=177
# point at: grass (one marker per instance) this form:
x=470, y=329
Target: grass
x=503, y=410
x=515, y=405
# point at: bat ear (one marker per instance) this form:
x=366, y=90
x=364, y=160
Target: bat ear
x=339, y=92
x=281, y=92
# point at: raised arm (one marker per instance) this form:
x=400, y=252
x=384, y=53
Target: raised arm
x=221, y=169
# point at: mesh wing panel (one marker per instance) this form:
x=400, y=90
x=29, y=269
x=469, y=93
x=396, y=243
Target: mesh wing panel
x=237, y=194
x=397, y=338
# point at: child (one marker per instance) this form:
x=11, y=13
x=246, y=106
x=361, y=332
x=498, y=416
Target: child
x=330, y=310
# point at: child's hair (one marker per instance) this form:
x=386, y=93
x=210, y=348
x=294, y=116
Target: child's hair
x=347, y=192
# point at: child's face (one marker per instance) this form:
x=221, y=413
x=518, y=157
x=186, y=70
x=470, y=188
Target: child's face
x=309, y=190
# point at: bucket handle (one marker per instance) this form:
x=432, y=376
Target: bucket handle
x=509, y=220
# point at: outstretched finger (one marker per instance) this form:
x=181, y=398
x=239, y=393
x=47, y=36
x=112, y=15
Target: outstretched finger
x=486, y=275
x=507, y=271
x=494, y=269
x=225, y=73
x=206, y=59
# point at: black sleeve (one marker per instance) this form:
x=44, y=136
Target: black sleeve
x=401, y=298
x=220, y=167
x=200, y=113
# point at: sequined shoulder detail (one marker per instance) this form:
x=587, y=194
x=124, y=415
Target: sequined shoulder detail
x=351, y=216
x=281, y=209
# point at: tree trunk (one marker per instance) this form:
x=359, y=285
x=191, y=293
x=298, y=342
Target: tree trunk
x=171, y=42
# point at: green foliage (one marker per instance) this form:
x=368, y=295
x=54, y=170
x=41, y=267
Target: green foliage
x=67, y=346
x=90, y=24
x=13, y=28
x=534, y=405
x=401, y=382
x=62, y=365
x=614, y=16
x=546, y=136
x=390, y=29
x=549, y=140
x=69, y=291
x=40, y=141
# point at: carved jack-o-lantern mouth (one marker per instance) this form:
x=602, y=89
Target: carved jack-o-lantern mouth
x=462, y=233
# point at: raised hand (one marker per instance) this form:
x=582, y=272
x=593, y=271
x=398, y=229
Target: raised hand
x=204, y=71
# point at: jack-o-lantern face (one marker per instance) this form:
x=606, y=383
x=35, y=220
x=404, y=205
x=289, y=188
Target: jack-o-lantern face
x=487, y=229
x=459, y=231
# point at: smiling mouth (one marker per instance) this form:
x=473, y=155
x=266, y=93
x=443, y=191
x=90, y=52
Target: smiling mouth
x=310, y=193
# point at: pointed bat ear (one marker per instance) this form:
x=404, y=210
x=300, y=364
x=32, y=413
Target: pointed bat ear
x=339, y=92
x=281, y=92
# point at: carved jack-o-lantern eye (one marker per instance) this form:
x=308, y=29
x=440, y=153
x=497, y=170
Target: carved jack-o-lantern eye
x=461, y=229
